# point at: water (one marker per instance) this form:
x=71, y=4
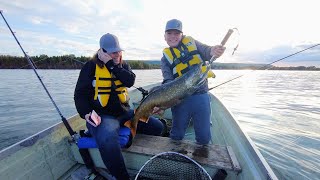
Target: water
x=279, y=110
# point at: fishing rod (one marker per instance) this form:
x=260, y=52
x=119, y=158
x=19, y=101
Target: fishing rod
x=64, y=120
x=263, y=67
x=223, y=43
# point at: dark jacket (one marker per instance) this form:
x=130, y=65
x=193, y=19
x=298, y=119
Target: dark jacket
x=84, y=91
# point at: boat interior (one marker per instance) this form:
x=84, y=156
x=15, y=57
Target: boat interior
x=54, y=154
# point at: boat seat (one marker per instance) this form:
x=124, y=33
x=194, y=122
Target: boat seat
x=145, y=146
x=214, y=156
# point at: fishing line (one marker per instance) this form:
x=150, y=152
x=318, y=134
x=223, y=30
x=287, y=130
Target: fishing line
x=223, y=42
x=263, y=67
x=143, y=91
x=34, y=63
x=64, y=60
x=78, y=61
x=64, y=120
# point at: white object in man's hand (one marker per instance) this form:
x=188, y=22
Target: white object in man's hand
x=103, y=56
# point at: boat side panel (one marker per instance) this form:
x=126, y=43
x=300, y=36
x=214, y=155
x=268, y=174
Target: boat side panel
x=46, y=155
x=227, y=131
x=133, y=161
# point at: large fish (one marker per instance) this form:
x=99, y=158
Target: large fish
x=169, y=94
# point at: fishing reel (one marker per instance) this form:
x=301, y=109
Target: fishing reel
x=143, y=92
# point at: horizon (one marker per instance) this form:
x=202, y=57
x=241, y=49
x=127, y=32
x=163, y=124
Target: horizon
x=155, y=60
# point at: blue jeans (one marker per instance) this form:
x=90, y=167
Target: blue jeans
x=106, y=136
x=196, y=107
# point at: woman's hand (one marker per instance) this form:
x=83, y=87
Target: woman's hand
x=103, y=56
x=86, y=117
x=217, y=51
x=93, y=118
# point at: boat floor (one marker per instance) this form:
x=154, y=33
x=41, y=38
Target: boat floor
x=212, y=157
x=81, y=172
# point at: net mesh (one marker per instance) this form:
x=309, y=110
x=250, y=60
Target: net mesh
x=172, y=165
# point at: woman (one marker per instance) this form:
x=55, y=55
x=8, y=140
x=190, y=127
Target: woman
x=102, y=89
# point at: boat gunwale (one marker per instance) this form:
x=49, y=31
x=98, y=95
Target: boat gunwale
x=31, y=140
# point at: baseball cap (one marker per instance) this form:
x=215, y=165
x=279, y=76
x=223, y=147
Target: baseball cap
x=174, y=24
x=110, y=43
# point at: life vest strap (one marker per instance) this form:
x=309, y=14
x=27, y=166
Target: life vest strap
x=185, y=59
x=108, y=88
x=113, y=92
x=120, y=85
x=104, y=88
x=107, y=79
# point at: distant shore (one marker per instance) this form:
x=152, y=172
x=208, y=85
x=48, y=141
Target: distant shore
x=73, y=62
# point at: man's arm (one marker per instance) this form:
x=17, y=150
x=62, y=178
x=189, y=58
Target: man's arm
x=166, y=70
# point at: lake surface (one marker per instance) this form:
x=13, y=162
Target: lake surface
x=279, y=110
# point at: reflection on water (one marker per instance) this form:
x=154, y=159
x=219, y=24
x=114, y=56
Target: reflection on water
x=279, y=110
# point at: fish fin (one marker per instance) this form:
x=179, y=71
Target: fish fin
x=144, y=119
x=132, y=129
x=133, y=132
x=127, y=124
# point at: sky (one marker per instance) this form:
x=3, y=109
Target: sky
x=266, y=30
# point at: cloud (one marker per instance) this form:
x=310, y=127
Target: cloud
x=74, y=27
x=39, y=20
x=286, y=54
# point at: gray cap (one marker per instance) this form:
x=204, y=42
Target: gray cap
x=174, y=24
x=110, y=43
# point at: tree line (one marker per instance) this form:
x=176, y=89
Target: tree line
x=72, y=62
x=59, y=62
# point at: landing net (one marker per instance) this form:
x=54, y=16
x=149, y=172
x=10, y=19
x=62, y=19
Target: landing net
x=172, y=165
